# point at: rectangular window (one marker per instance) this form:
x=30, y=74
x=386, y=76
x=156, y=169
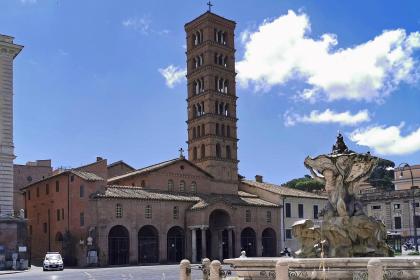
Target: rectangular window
x=57, y=186
x=397, y=222
x=288, y=210
x=248, y=216
x=118, y=211
x=47, y=189
x=417, y=204
x=45, y=227
x=376, y=207
x=30, y=229
x=268, y=216
x=176, y=212
x=82, y=219
x=316, y=212
x=58, y=214
x=397, y=206
x=148, y=212
x=82, y=191
x=288, y=234
x=37, y=191
x=300, y=210
x=71, y=178
x=29, y=195
x=62, y=213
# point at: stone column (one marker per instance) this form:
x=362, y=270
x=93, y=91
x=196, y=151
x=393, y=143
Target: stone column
x=203, y=242
x=375, y=270
x=8, y=52
x=194, y=244
x=230, y=245
x=282, y=270
x=185, y=270
x=220, y=244
x=215, y=270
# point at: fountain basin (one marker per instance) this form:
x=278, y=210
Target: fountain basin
x=406, y=267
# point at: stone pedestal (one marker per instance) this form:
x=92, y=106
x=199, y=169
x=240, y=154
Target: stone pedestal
x=13, y=234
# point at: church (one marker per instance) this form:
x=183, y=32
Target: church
x=186, y=207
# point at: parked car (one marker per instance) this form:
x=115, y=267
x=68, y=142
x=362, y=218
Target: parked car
x=53, y=261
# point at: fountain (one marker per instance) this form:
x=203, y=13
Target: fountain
x=348, y=244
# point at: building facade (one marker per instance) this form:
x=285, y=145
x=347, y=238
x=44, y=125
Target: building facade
x=180, y=208
x=406, y=177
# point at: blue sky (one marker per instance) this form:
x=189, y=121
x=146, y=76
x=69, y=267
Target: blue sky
x=89, y=81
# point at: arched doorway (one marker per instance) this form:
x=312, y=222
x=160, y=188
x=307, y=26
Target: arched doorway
x=175, y=246
x=148, y=242
x=118, y=246
x=269, y=243
x=249, y=242
x=221, y=235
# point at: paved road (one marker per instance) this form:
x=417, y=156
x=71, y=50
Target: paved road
x=158, y=272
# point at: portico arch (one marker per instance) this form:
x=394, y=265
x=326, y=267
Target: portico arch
x=269, y=243
x=221, y=235
x=175, y=244
x=249, y=242
x=118, y=246
x=148, y=242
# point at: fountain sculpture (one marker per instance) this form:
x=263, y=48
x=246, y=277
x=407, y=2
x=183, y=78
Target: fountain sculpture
x=346, y=231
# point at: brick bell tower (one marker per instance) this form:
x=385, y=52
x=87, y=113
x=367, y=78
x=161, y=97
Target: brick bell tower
x=212, y=132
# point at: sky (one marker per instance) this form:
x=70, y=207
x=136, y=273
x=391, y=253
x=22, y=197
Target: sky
x=107, y=78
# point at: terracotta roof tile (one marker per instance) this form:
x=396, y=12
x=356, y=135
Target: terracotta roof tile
x=284, y=191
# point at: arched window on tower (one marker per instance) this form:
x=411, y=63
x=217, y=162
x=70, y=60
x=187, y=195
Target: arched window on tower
x=194, y=133
x=198, y=131
x=228, y=131
x=197, y=37
x=218, y=151
x=194, y=111
x=170, y=185
x=220, y=36
x=203, y=131
x=223, y=130
x=216, y=107
x=217, y=129
x=203, y=151
x=228, y=152
x=226, y=111
x=195, y=153
x=225, y=86
x=221, y=108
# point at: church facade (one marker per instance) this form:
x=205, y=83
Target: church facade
x=191, y=207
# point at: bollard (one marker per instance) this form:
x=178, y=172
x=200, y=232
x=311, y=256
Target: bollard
x=375, y=270
x=206, y=268
x=185, y=270
x=215, y=270
x=282, y=270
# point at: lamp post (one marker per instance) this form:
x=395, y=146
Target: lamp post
x=402, y=166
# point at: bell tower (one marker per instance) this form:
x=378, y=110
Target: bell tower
x=212, y=132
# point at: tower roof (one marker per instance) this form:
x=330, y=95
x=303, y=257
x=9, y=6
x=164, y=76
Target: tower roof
x=208, y=15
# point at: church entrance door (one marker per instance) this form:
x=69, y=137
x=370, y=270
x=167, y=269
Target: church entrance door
x=269, y=243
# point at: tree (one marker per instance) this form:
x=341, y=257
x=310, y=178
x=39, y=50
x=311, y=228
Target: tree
x=382, y=176
x=306, y=183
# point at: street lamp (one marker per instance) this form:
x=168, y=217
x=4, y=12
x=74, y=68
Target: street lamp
x=413, y=188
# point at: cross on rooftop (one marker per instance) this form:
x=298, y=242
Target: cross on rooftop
x=181, y=152
x=210, y=5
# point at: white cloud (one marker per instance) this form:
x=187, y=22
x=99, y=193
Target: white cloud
x=173, y=75
x=387, y=140
x=327, y=116
x=281, y=50
x=139, y=24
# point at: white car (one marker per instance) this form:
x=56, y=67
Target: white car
x=53, y=261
